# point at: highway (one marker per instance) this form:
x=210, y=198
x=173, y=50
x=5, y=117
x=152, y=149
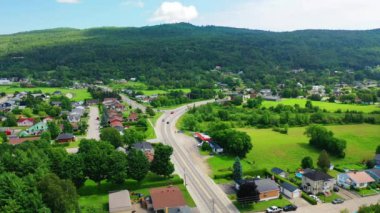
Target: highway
x=207, y=195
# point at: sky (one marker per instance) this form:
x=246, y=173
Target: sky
x=273, y=15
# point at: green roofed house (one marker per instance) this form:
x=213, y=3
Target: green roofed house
x=36, y=129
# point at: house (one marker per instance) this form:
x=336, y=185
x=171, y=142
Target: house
x=65, y=137
x=4, y=81
x=374, y=173
x=279, y=172
x=117, y=125
x=92, y=102
x=202, y=137
x=146, y=148
x=48, y=119
x=133, y=117
x=17, y=140
x=25, y=122
x=268, y=189
x=56, y=103
x=216, y=148
x=354, y=179
x=36, y=129
x=317, y=90
x=317, y=182
x=73, y=118
x=165, y=198
x=290, y=190
x=113, y=103
x=120, y=202
x=377, y=160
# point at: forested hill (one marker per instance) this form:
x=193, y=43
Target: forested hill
x=181, y=54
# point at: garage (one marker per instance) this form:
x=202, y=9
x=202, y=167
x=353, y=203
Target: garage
x=290, y=190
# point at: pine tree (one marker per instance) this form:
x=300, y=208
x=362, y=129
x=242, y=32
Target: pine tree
x=324, y=161
x=238, y=170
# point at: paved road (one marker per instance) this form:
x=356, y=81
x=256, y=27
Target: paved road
x=132, y=103
x=207, y=195
x=351, y=205
x=93, y=124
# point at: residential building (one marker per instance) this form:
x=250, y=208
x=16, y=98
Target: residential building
x=279, y=172
x=146, y=148
x=17, y=140
x=268, y=189
x=165, y=198
x=36, y=129
x=120, y=202
x=359, y=179
x=65, y=137
x=317, y=182
x=4, y=81
x=133, y=117
x=290, y=190
x=25, y=122
x=374, y=173
x=216, y=148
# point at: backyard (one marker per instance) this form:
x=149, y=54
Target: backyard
x=272, y=149
x=93, y=197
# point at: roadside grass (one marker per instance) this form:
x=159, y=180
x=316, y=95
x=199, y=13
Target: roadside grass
x=155, y=117
x=329, y=199
x=162, y=92
x=367, y=192
x=129, y=85
x=78, y=94
x=262, y=206
x=272, y=149
x=332, y=107
x=94, y=197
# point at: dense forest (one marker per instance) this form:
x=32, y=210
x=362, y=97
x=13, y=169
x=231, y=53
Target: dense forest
x=183, y=55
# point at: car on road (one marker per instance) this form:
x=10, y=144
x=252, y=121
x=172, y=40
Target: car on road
x=337, y=201
x=97, y=118
x=273, y=209
x=167, y=122
x=336, y=188
x=289, y=208
x=172, y=112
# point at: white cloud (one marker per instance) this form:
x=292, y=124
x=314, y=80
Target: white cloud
x=285, y=15
x=172, y=12
x=134, y=3
x=68, y=1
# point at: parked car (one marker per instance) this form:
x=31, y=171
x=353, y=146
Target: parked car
x=171, y=112
x=336, y=188
x=289, y=208
x=167, y=122
x=337, y=201
x=274, y=209
x=316, y=198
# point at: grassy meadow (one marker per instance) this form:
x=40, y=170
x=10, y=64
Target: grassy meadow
x=272, y=149
x=331, y=107
x=78, y=94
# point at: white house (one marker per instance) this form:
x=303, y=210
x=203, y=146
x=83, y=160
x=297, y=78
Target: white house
x=354, y=179
x=4, y=81
x=289, y=190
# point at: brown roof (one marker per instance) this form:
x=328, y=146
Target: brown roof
x=15, y=141
x=168, y=197
x=360, y=177
x=133, y=116
x=116, y=123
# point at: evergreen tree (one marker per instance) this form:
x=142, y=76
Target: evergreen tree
x=378, y=149
x=237, y=170
x=323, y=161
x=248, y=193
x=307, y=163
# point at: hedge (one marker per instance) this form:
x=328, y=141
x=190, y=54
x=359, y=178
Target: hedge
x=228, y=175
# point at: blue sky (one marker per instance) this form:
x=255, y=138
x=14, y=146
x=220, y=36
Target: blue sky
x=275, y=15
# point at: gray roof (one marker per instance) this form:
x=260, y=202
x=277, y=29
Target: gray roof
x=265, y=185
x=143, y=146
x=288, y=186
x=317, y=175
x=119, y=201
x=64, y=136
x=277, y=170
x=374, y=171
x=182, y=209
x=377, y=157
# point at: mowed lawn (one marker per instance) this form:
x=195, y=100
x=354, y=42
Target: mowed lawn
x=162, y=92
x=272, y=149
x=78, y=94
x=332, y=107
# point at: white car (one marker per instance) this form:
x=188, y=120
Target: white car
x=274, y=209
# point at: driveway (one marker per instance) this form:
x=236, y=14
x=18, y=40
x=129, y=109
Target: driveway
x=93, y=124
x=347, y=195
x=351, y=205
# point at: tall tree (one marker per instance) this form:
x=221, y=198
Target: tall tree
x=111, y=135
x=132, y=135
x=237, y=170
x=323, y=161
x=59, y=195
x=161, y=163
x=67, y=127
x=378, y=149
x=118, y=165
x=73, y=169
x=138, y=165
x=307, y=163
x=53, y=129
x=248, y=193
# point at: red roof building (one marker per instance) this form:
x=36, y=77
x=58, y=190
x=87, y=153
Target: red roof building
x=202, y=137
x=133, y=117
x=25, y=122
x=168, y=197
x=15, y=141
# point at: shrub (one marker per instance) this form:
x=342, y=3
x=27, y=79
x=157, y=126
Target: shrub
x=309, y=199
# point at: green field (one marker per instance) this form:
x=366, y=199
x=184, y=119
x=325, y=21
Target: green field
x=272, y=149
x=78, y=94
x=129, y=85
x=161, y=92
x=262, y=206
x=94, y=197
x=332, y=107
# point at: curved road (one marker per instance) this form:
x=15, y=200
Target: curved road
x=207, y=195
